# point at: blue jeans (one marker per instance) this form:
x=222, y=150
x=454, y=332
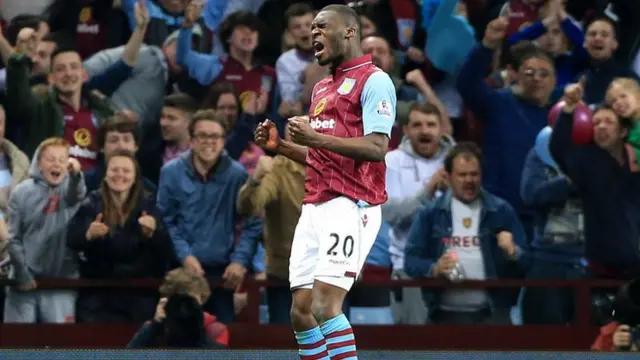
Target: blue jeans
x=550, y=306
x=220, y=303
x=279, y=300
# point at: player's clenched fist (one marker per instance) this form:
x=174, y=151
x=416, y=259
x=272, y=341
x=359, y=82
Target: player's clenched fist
x=495, y=33
x=266, y=136
x=301, y=132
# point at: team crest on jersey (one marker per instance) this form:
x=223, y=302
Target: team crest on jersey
x=347, y=86
x=466, y=222
x=82, y=137
x=384, y=108
x=320, y=107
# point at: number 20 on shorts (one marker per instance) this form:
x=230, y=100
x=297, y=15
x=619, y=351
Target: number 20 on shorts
x=347, y=245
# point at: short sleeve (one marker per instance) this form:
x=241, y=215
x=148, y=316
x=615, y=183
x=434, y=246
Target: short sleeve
x=378, y=104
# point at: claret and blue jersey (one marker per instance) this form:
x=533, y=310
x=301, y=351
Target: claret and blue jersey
x=360, y=99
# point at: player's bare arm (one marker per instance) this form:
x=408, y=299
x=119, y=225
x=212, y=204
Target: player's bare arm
x=372, y=147
x=266, y=136
x=294, y=152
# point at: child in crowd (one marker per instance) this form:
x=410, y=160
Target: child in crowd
x=623, y=95
x=40, y=209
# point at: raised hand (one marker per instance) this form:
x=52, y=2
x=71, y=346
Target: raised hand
x=73, y=166
x=192, y=13
x=495, y=33
x=573, y=94
x=97, y=229
x=141, y=13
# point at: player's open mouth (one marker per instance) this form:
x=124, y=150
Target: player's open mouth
x=318, y=47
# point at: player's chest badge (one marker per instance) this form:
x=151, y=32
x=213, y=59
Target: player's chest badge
x=346, y=86
x=466, y=222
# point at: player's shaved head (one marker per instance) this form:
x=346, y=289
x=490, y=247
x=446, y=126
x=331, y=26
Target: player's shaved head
x=335, y=32
x=349, y=16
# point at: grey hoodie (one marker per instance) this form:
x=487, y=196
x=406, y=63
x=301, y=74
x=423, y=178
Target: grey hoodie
x=397, y=210
x=407, y=174
x=38, y=242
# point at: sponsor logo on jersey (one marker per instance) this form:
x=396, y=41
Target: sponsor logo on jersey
x=320, y=107
x=317, y=124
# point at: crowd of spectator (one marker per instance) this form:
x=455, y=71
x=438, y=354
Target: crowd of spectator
x=126, y=151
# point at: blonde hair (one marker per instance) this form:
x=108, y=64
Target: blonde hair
x=52, y=141
x=628, y=84
x=182, y=281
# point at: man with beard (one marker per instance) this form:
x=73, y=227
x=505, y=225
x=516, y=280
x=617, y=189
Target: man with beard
x=291, y=64
x=343, y=146
x=414, y=175
x=471, y=231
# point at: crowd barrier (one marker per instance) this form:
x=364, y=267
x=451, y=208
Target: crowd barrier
x=293, y=355
x=250, y=334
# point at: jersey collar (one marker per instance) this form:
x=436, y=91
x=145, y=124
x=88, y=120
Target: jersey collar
x=353, y=64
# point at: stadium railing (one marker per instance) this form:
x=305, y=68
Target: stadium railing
x=250, y=334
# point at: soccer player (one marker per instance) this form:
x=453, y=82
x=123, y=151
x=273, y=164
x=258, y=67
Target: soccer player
x=343, y=143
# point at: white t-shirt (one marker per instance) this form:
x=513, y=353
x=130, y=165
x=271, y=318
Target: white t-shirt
x=466, y=243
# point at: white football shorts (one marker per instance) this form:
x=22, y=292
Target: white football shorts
x=331, y=243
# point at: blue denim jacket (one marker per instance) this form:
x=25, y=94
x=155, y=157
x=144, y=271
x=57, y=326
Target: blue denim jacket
x=201, y=215
x=434, y=223
x=547, y=192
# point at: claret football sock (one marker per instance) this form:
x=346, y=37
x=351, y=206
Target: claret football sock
x=311, y=345
x=341, y=344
